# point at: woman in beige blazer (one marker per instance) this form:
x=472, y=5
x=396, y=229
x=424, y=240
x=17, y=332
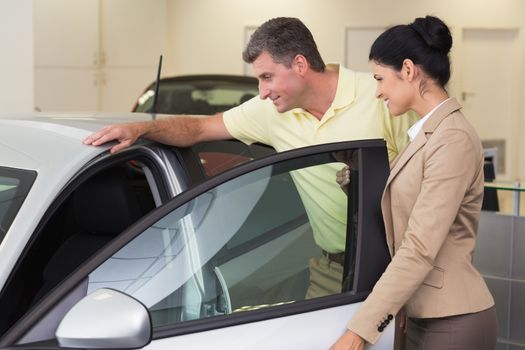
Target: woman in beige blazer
x=431, y=205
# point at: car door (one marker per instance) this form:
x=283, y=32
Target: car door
x=228, y=262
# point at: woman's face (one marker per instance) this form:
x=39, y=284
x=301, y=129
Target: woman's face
x=393, y=87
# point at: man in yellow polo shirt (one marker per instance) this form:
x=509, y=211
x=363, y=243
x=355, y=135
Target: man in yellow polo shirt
x=355, y=114
x=301, y=102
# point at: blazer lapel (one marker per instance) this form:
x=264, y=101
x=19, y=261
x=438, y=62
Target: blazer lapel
x=398, y=163
x=450, y=106
x=404, y=157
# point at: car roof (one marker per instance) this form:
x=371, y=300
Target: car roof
x=38, y=140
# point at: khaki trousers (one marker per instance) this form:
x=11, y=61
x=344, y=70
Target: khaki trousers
x=475, y=331
x=325, y=277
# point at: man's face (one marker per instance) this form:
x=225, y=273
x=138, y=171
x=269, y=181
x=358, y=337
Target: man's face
x=280, y=84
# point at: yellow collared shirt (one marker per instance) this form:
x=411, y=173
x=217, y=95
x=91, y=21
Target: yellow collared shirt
x=355, y=114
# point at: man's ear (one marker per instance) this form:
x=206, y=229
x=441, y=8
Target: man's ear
x=300, y=64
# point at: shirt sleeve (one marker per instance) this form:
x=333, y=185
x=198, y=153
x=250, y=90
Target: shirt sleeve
x=249, y=122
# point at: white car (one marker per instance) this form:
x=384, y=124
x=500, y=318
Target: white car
x=159, y=247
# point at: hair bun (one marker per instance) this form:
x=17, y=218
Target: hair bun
x=434, y=32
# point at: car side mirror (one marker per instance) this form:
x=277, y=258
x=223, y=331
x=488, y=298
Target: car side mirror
x=107, y=319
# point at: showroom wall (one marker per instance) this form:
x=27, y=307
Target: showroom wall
x=209, y=33
x=16, y=58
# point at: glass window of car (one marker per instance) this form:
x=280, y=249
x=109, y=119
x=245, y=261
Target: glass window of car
x=216, y=157
x=14, y=187
x=243, y=245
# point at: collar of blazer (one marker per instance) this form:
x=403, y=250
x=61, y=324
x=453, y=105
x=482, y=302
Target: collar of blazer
x=421, y=139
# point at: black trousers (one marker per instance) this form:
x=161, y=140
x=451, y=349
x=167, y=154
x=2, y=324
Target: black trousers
x=476, y=331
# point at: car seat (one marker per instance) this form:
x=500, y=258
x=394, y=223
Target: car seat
x=102, y=207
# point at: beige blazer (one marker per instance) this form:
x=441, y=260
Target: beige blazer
x=431, y=205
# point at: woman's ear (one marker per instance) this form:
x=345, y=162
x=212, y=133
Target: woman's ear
x=408, y=70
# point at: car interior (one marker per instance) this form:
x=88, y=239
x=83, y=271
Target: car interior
x=182, y=102
x=257, y=259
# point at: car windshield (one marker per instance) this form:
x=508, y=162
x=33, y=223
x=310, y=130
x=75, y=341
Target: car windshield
x=14, y=186
x=198, y=95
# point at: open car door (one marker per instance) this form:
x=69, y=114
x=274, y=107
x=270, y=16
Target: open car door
x=228, y=263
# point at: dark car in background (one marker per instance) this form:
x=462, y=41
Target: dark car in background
x=198, y=94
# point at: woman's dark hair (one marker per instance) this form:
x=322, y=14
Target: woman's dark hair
x=426, y=41
x=284, y=38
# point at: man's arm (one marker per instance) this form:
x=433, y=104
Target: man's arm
x=178, y=131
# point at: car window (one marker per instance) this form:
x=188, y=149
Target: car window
x=14, y=187
x=244, y=245
x=201, y=95
x=218, y=156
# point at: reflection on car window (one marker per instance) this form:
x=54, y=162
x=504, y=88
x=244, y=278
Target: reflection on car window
x=247, y=244
x=219, y=156
x=14, y=186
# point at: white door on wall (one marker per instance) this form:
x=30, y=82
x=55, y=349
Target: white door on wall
x=66, y=53
x=66, y=89
x=489, y=92
x=133, y=34
x=357, y=46
x=66, y=35
x=96, y=55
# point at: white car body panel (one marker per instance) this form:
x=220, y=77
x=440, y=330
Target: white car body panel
x=316, y=330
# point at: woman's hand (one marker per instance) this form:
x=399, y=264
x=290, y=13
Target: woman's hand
x=349, y=341
x=402, y=317
x=343, y=178
x=400, y=330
